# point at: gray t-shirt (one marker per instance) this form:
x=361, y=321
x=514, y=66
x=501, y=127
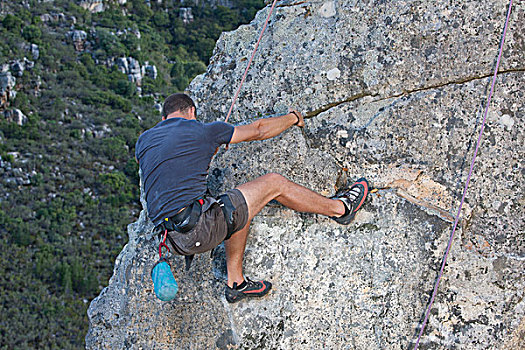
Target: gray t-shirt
x=174, y=157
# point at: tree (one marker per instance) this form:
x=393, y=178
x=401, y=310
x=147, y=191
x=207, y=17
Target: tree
x=12, y=22
x=32, y=33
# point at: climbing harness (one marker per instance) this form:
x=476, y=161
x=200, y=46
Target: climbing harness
x=184, y=221
x=427, y=313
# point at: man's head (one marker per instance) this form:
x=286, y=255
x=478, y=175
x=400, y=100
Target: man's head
x=178, y=105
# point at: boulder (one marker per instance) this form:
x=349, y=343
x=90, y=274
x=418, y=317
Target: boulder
x=15, y=116
x=134, y=70
x=186, y=15
x=35, y=52
x=79, y=39
x=17, y=67
x=53, y=17
x=393, y=92
x=149, y=70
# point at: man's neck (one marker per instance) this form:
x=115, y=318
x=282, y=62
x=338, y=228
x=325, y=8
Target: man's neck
x=179, y=115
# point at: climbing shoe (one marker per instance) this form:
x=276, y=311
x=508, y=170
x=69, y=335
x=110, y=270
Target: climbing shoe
x=353, y=198
x=248, y=288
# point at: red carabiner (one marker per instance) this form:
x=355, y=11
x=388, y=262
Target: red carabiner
x=163, y=244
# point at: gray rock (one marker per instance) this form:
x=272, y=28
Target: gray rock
x=394, y=92
x=53, y=17
x=15, y=116
x=102, y=132
x=35, y=52
x=131, y=67
x=186, y=15
x=93, y=6
x=7, y=85
x=134, y=70
x=122, y=64
x=17, y=67
x=212, y=3
x=149, y=70
x=79, y=38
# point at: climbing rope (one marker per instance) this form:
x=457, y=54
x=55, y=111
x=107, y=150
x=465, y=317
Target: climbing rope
x=427, y=313
x=250, y=61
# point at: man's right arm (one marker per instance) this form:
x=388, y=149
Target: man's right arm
x=266, y=128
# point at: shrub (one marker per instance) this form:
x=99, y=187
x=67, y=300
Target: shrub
x=32, y=33
x=12, y=22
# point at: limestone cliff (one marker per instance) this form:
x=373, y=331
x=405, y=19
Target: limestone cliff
x=394, y=91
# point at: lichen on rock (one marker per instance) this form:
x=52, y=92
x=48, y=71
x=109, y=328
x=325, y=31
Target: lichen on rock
x=402, y=109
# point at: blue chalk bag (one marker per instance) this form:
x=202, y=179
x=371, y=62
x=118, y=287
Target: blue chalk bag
x=164, y=283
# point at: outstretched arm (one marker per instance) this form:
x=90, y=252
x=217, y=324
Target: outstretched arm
x=266, y=128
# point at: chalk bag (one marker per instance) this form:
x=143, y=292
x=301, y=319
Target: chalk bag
x=164, y=282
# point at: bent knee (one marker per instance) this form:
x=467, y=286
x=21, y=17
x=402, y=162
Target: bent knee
x=274, y=178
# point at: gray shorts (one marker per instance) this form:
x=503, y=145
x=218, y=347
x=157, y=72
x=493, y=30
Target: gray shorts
x=211, y=229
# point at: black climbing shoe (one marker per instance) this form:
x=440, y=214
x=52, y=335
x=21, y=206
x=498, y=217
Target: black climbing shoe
x=353, y=198
x=251, y=289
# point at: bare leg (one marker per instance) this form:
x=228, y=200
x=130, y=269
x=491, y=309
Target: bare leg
x=257, y=194
x=235, y=254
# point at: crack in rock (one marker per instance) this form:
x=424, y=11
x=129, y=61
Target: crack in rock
x=364, y=94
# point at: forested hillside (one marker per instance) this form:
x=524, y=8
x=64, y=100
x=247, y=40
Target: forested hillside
x=79, y=81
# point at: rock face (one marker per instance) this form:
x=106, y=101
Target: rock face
x=393, y=92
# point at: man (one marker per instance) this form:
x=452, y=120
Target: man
x=174, y=157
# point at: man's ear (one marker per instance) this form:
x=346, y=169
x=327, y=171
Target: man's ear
x=193, y=112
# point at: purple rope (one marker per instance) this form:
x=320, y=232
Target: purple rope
x=468, y=181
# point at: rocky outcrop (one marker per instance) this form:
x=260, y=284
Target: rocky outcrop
x=186, y=15
x=79, y=39
x=213, y=3
x=394, y=92
x=130, y=67
x=34, y=50
x=53, y=17
x=17, y=67
x=7, y=86
x=149, y=70
x=135, y=72
x=93, y=6
x=15, y=116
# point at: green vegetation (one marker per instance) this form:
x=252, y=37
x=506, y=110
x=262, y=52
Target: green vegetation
x=62, y=227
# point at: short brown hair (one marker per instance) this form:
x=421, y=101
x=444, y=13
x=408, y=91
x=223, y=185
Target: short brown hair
x=177, y=102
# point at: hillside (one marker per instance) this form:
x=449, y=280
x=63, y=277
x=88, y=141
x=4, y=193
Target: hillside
x=79, y=81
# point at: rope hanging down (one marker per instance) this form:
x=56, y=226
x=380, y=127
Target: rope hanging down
x=250, y=61
x=467, y=182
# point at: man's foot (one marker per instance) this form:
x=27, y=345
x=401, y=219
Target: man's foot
x=353, y=199
x=248, y=288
